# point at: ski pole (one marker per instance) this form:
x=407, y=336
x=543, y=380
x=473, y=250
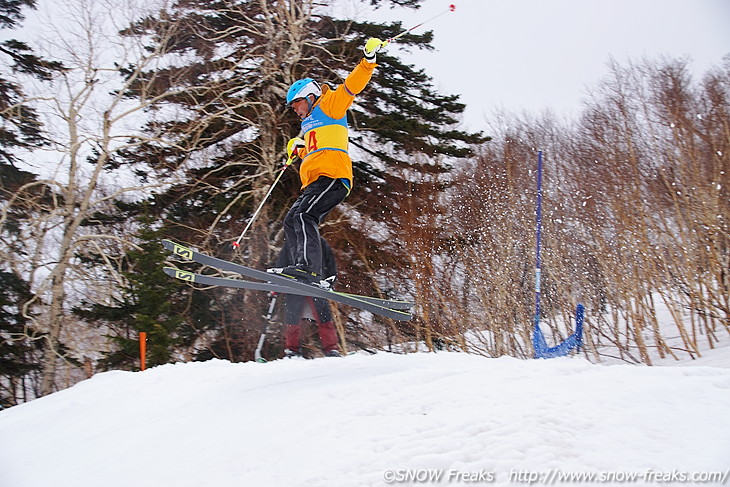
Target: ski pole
x=288, y=163
x=269, y=314
x=451, y=8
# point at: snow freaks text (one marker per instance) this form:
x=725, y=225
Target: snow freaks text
x=435, y=476
x=552, y=477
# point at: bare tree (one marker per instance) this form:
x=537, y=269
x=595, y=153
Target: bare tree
x=90, y=123
x=635, y=214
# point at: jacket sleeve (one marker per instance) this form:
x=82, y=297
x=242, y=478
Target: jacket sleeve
x=338, y=101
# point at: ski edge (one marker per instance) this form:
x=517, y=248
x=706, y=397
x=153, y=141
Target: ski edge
x=193, y=277
x=190, y=254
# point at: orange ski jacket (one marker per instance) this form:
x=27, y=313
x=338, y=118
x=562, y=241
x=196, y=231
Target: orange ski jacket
x=325, y=129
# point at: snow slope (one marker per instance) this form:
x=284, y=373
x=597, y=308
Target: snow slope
x=374, y=420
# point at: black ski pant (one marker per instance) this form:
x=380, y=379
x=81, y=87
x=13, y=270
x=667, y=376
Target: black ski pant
x=301, y=224
x=295, y=307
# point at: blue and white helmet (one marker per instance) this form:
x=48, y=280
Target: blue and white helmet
x=302, y=88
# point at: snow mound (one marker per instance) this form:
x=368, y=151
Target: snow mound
x=371, y=421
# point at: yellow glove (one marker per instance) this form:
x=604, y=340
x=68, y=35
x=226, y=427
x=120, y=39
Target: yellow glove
x=372, y=46
x=293, y=147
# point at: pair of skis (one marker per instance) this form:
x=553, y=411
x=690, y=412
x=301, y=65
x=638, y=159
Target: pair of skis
x=394, y=309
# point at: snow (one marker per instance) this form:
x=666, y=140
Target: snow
x=386, y=419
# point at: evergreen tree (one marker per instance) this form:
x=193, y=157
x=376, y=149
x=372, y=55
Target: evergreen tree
x=19, y=353
x=229, y=138
x=149, y=302
x=20, y=129
x=20, y=125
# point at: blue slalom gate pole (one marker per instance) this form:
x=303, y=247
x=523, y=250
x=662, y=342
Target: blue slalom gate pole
x=538, y=339
x=538, y=231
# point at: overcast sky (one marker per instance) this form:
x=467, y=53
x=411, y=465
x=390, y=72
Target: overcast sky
x=533, y=55
x=538, y=54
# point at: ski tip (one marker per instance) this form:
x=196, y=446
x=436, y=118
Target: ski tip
x=397, y=315
x=177, y=249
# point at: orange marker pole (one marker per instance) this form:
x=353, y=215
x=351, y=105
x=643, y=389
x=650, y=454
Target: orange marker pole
x=142, y=349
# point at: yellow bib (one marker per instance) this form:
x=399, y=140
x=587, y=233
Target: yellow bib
x=322, y=132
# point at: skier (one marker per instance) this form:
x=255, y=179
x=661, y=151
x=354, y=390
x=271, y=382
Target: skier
x=326, y=169
x=300, y=308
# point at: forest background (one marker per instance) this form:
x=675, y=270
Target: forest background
x=128, y=122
